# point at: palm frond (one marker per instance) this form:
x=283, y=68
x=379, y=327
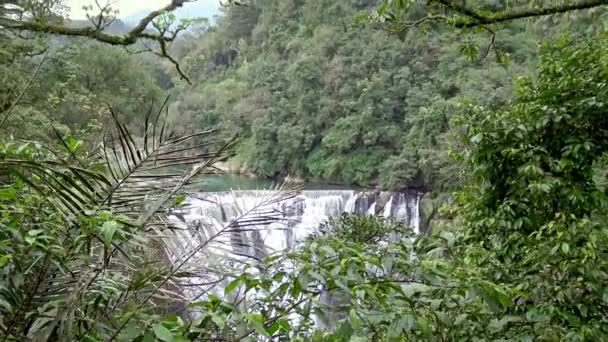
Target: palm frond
x=140, y=175
x=159, y=258
x=199, y=254
x=211, y=249
x=139, y=178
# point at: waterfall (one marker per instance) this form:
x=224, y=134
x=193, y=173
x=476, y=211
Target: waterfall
x=204, y=214
x=304, y=213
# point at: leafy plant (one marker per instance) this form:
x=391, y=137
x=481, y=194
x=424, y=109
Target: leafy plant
x=84, y=232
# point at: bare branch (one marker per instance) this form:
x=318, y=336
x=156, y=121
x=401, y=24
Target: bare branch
x=491, y=45
x=165, y=54
x=90, y=32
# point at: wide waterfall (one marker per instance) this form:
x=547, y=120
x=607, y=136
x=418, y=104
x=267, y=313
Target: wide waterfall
x=213, y=236
x=299, y=217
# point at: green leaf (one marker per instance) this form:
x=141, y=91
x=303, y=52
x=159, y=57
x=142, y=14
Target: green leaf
x=284, y=324
x=233, y=285
x=477, y=139
x=163, y=333
x=536, y=315
x=129, y=333
x=470, y=49
x=355, y=321
x=179, y=200
x=73, y=144
x=257, y=321
x=148, y=337
x=502, y=58
x=4, y=260
x=108, y=229
x=8, y=194
x=218, y=320
x=499, y=325
x=273, y=328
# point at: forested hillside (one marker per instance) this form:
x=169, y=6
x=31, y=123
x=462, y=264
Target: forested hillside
x=71, y=84
x=499, y=106
x=317, y=94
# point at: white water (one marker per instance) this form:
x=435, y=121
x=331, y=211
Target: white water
x=203, y=217
x=301, y=215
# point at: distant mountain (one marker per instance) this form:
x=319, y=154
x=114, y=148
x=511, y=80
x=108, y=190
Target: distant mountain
x=202, y=8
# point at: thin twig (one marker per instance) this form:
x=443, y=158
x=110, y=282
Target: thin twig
x=491, y=45
x=24, y=90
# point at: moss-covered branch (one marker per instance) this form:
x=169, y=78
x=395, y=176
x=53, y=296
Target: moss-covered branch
x=162, y=36
x=138, y=32
x=477, y=19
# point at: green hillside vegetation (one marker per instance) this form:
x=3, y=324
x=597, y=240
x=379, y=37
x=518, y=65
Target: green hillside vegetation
x=315, y=94
x=497, y=109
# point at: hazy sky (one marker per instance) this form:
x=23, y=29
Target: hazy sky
x=126, y=7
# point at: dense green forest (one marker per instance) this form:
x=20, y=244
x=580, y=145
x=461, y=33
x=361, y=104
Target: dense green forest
x=315, y=94
x=498, y=109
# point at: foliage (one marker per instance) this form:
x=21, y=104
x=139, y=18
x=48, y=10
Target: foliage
x=73, y=89
x=338, y=289
x=77, y=229
x=319, y=95
x=87, y=251
x=535, y=216
x=474, y=15
x=361, y=228
x=527, y=263
x=158, y=29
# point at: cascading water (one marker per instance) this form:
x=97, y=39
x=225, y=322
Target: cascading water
x=304, y=212
x=204, y=215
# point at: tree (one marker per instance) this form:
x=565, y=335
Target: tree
x=534, y=213
x=46, y=17
x=470, y=14
x=318, y=95
x=474, y=16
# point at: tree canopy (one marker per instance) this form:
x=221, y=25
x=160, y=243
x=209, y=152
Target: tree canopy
x=347, y=102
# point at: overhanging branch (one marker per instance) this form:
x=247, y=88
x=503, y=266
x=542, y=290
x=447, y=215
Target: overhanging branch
x=131, y=37
x=163, y=37
x=477, y=19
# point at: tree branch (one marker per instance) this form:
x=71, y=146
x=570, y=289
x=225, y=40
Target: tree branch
x=479, y=19
x=404, y=26
x=129, y=38
x=164, y=53
x=24, y=90
x=163, y=36
x=460, y=9
x=152, y=15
